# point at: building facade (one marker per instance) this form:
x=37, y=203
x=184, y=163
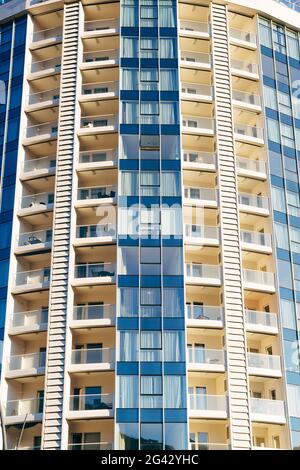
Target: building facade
x=151, y=287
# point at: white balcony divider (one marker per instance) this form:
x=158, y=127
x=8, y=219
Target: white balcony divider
x=195, y=122
x=27, y=361
x=101, y=25
x=94, y=312
x=95, y=231
x=197, y=27
x=244, y=66
x=204, y=312
x=44, y=97
x=196, y=57
x=37, y=164
x=30, y=318
x=100, y=56
x=202, y=231
x=91, y=446
x=257, y=318
x=36, y=276
x=208, y=402
x=210, y=271
x=46, y=130
x=37, y=201
x=55, y=34
x=267, y=407
x=254, y=276
x=208, y=446
x=246, y=36
x=92, y=356
x=98, y=156
x=83, y=271
x=49, y=65
x=248, y=98
x=253, y=200
x=196, y=89
x=96, y=192
x=103, y=401
x=91, y=122
x=251, y=165
x=206, y=158
x=201, y=194
x=35, y=238
x=198, y=355
x=249, y=131
x=264, y=361
x=24, y=406
x=99, y=88
x=256, y=238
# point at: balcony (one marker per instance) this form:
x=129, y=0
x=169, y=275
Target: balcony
x=98, y=91
x=249, y=134
x=203, y=274
x=94, y=195
x=34, y=241
x=34, y=203
x=100, y=59
x=42, y=99
x=29, y=322
x=97, y=28
x=28, y=409
x=267, y=411
x=95, y=125
x=195, y=60
x=46, y=37
x=243, y=38
x=202, y=235
x=91, y=446
x=95, y=234
x=244, y=69
x=27, y=281
x=253, y=204
x=261, y=322
x=43, y=68
x=264, y=365
x=91, y=406
x=207, y=360
x=206, y=197
x=40, y=133
x=208, y=446
x=92, y=274
x=204, y=316
x=256, y=241
x=203, y=161
x=251, y=168
x=207, y=406
x=26, y=365
x=196, y=125
x=38, y=167
x=194, y=29
x=261, y=281
x=97, y=159
x=92, y=360
x=248, y=101
x=195, y=92
x=85, y=316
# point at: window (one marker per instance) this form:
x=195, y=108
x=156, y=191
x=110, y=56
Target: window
x=169, y=112
x=273, y=130
x=175, y=436
x=284, y=274
x=149, y=79
x=130, y=47
x=129, y=260
x=128, y=391
x=170, y=147
x=5, y=230
x=278, y=198
x=130, y=79
x=171, y=183
x=287, y=136
x=270, y=97
x=174, y=347
x=275, y=163
x=150, y=255
x=265, y=33
x=295, y=239
x=167, y=15
x=284, y=101
x=150, y=296
x=128, y=436
x=282, y=72
x=288, y=314
x=130, y=14
x=129, y=183
x=293, y=44
x=291, y=354
x=149, y=112
x=282, y=238
x=150, y=183
x=130, y=112
x=268, y=66
x=173, y=305
x=169, y=80
x=151, y=391
x=128, y=346
x=148, y=14
x=151, y=345
x=293, y=203
x=129, y=301
x=129, y=147
x=150, y=216
x=175, y=394
x=168, y=48
x=172, y=261
x=148, y=48
x=151, y=436
x=279, y=39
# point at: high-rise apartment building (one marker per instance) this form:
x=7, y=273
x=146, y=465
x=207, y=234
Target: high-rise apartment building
x=153, y=292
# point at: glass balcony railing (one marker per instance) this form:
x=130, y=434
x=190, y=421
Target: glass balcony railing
x=98, y=122
x=261, y=319
x=267, y=407
x=199, y=355
x=24, y=406
x=205, y=124
x=208, y=446
x=240, y=35
x=27, y=361
x=91, y=402
x=263, y=278
x=201, y=194
x=91, y=446
x=39, y=164
x=95, y=231
x=197, y=58
x=100, y=88
x=94, y=312
x=249, y=131
x=264, y=361
x=47, y=66
x=101, y=25
x=202, y=232
x=208, y=402
x=50, y=97
x=100, y=192
x=253, y=200
x=97, y=156
x=42, y=201
x=32, y=278
x=83, y=271
x=30, y=318
x=54, y=34
x=100, y=57
x=247, y=98
x=45, y=131
x=204, y=312
x=204, y=158
x=209, y=271
x=244, y=66
x=257, y=166
x=93, y=356
x=256, y=238
x=35, y=238
x=197, y=90
x=194, y=26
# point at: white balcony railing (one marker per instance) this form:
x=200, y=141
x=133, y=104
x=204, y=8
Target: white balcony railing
x=240, y=35
x=54, y=34
x=30, y=318
x=35, y=277
x=244, y=66
x=94, y=312
x=267, y=407
x=247, y=98
x=83, y=271
x=100, y=57
x=264, y=278
x=101, y=25
x=49, y=97
x=262, y=319
x=95, y=231
x=42, y=201
x=35, y=238
x=27, y=361
x=201, y=194
x=209, y=271
x=198, y=355
x=39, y=164
x=249, y=131
x=91, y=402
x=98, y=122
x=203, y=232
x=257, y=166
x=46, y=131
x=197, y=58
x=208, y=402
x=256, y=238
x=97, y=156
x=24, y=406
x=47, y=66
x=93, y=356
x=204, y=158
x=264, y=361
x=102, y=88
x=204, y=312
x=194, y=26
x=194, y=122
x=97, y=192
x=195, y=90
x=253, y=200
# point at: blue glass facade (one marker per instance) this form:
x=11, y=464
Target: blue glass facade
x=12, y=50
x=280, y=57
x=151, y=367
